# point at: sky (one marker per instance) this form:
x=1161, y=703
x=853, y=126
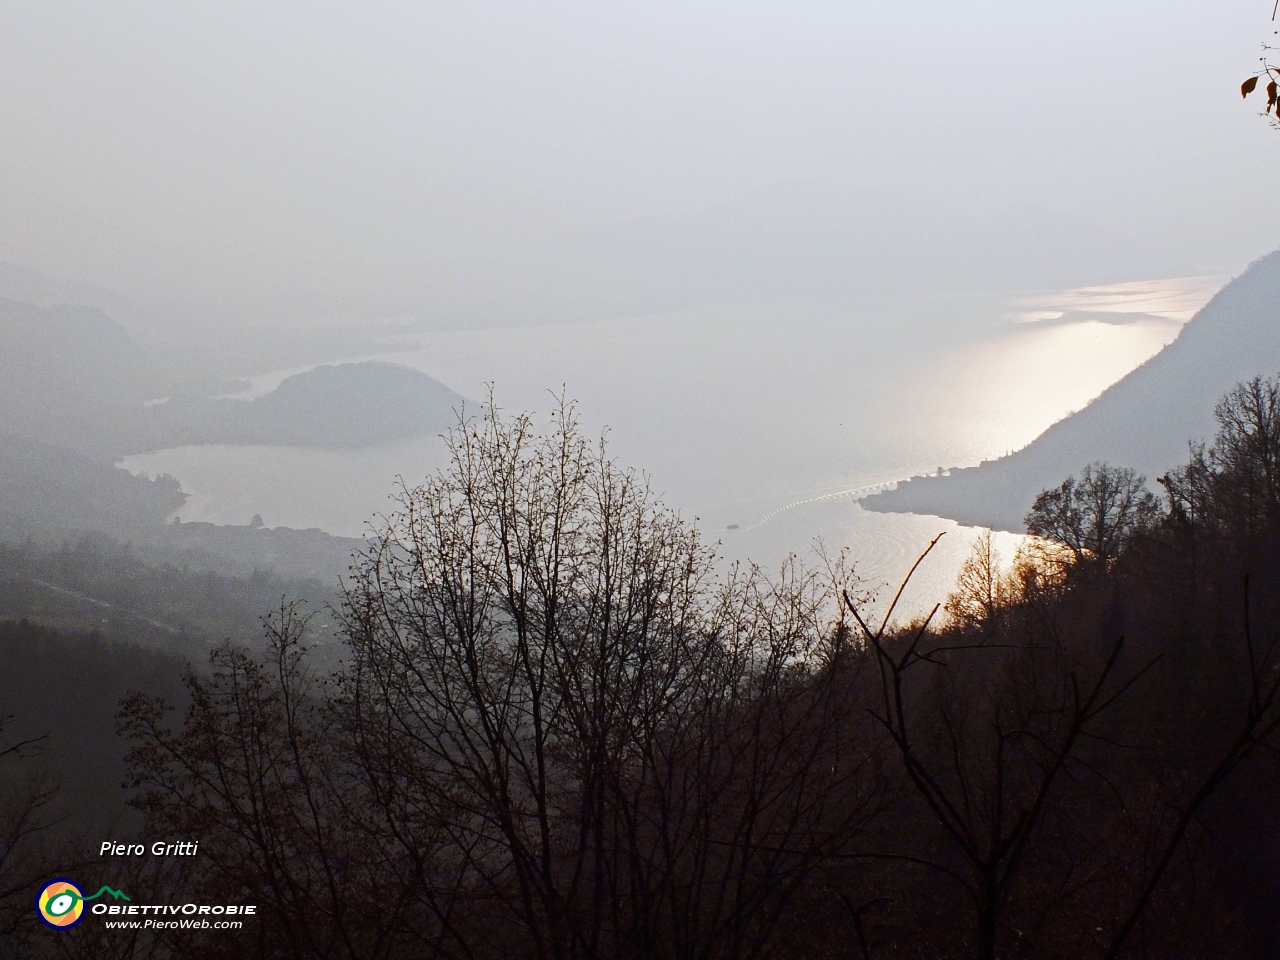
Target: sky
x=240, y=162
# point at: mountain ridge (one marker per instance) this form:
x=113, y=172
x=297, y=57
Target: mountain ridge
x=1145, y=420
x=71, y=376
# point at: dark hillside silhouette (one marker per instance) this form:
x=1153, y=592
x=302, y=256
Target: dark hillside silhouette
x=95, y=583
x=1145, y=420
x=556, y=732
x=63, y=689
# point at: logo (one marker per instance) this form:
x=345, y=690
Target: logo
x=61, y=903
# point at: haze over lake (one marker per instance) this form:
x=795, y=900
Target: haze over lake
x=792, y=407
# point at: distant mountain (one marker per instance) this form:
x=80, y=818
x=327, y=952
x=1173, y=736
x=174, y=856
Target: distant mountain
x=1144, y=421
x=348, y=405
x=72, y=377
x=40, y=289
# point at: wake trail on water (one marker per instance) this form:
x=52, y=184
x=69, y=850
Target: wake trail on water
x=853, y=493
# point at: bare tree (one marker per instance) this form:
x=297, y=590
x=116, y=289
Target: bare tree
x=630, y=757
x=1010, y=761
x=257, y=771
x=562, y=732
x=979, y=591
x=1233, y=487
x=25, y=815
x=1007, y=747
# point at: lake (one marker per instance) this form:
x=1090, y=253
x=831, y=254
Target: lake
x=771, y=419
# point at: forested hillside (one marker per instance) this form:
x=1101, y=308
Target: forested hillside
x=556, y=731
x=50, y=496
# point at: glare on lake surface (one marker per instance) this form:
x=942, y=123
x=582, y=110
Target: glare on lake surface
x=770, y=418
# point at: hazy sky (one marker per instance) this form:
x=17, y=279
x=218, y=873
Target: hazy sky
x=244, y=161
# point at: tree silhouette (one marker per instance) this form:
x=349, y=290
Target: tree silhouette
x=1098, y=516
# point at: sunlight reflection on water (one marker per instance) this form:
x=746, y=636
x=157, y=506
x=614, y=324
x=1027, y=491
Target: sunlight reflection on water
x=738, y=411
